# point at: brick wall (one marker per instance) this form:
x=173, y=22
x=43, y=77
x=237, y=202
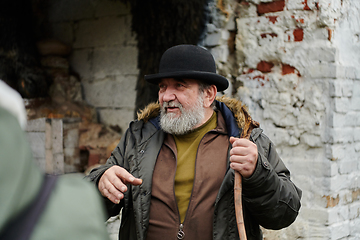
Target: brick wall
x=104, y=54
x=295, y=63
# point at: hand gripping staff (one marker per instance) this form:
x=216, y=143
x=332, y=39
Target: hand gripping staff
x=249, y=125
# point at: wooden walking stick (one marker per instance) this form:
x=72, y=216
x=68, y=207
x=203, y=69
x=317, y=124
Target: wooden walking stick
x=246, y=123
x=247, y=128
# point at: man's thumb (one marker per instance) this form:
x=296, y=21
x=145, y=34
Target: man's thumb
x=232, y=140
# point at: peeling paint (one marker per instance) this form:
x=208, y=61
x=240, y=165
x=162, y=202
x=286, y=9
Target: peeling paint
x=329, y=34
x=331, y=201
x=355, y=195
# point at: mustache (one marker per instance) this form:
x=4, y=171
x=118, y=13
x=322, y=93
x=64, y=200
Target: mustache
x=171, y=104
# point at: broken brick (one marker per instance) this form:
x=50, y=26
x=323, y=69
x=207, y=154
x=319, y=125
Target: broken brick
x=306, y=6
x=301, y=20
x=264, y=35
x=268, y=7
x=264, y=66
x=298, y=34
x=287, y=69
x=272, y=18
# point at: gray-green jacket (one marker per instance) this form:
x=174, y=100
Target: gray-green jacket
x=73, y=211
x=270, y=199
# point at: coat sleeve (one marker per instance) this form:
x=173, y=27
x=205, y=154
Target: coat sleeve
x=269, y=194
x=117, y=158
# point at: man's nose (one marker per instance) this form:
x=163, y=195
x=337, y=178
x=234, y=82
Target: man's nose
x=169, y=95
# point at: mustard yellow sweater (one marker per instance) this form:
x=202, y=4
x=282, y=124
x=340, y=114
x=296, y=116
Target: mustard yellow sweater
x=187, y=146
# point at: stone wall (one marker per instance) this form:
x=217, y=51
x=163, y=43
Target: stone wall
x=295, y=64
x=55, y=144
x=104, y=54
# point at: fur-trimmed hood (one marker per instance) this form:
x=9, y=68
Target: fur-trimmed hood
x=235, y=113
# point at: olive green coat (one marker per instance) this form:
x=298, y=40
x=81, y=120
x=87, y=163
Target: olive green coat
x=270, y=199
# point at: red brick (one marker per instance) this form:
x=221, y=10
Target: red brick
x=288, y=69
x=264, y=35
x=272, y=18
x=268, y=7
x=306, y=6
x=264, y=66
x=298, y=34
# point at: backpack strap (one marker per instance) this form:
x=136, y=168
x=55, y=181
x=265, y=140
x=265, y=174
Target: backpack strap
x=21, y=227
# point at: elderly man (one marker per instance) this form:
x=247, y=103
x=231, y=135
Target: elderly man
x=172, y=174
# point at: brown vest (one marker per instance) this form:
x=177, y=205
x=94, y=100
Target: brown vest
x=210, y=169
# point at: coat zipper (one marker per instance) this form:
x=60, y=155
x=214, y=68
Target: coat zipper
x=181, y=233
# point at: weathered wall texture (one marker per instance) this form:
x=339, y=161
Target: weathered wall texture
x=104, y=54
x=296, y=65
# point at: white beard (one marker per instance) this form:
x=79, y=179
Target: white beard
x=188, y=119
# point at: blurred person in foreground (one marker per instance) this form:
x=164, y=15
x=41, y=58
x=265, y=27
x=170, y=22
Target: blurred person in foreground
x=172, y=173
x=73, y=208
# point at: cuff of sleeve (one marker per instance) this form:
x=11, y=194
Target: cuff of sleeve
x=262, y=169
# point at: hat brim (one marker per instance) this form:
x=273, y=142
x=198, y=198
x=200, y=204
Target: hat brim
x=219, y=81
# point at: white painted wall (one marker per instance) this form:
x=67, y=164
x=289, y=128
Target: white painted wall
x=312, y=114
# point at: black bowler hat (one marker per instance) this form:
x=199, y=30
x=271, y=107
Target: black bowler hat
x=189, y=61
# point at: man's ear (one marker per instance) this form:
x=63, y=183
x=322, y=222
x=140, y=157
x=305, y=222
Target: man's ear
x=209, y=95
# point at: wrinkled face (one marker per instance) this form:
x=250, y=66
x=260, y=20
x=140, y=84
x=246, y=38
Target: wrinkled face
x=182, y=91
x=182, y=106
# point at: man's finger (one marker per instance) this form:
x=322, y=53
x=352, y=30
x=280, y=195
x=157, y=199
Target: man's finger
x=241, y=142
x=112, y=197
x=114, y=194
x=241, y=151
x=127, y=178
